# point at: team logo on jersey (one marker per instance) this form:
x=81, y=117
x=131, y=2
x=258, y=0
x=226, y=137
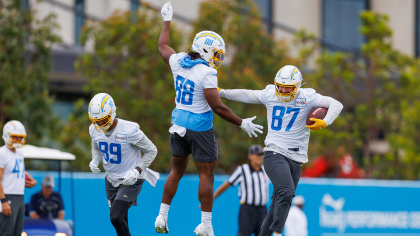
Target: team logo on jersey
x=120, y=138
x=300, y=102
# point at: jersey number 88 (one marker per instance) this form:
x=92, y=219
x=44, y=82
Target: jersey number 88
x=184, y=88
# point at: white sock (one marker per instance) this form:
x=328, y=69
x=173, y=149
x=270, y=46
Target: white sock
x=164, y=209
x=277, y=234
x=206, y=219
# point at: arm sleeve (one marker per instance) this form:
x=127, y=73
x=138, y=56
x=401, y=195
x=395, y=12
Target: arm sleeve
x=235, y=178
x=334, y=108
x=241, y=95
x=149, y=150
x=96, y=153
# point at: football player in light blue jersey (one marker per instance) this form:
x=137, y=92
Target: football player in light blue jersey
x=195, y=80
x=288, y=105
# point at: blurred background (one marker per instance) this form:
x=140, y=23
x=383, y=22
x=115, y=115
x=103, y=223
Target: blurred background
x=56, y=54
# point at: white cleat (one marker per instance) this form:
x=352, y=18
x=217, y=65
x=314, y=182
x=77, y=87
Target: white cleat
x=161, y=225
x=201, y=230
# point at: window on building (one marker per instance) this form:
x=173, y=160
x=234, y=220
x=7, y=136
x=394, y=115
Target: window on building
x=417, y=31
x=25, y=4
x=79, y=19
x=341, y=22
x=266, y=7
x=134, y=5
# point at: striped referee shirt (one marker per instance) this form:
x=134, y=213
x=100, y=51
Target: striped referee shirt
x=253, y=185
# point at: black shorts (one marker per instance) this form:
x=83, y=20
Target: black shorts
x=202, y=145
x=126, y=193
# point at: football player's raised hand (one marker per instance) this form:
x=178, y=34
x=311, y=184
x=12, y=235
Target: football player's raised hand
x=250, y=127
x=319, y=124
x=167, y=12
x=93, y=165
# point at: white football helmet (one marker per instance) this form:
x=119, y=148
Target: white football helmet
x=102, y=108
x=288, y=76
x=14, y=129
x=211, y=47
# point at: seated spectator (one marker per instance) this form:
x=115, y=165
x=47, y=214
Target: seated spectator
x=46, y=203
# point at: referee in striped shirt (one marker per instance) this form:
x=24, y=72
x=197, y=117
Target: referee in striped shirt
x=253, y=192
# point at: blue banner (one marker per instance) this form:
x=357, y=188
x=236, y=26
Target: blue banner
x=334, y=207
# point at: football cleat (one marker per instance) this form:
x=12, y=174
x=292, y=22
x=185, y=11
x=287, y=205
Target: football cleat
x=201, y=230
x=161, y=225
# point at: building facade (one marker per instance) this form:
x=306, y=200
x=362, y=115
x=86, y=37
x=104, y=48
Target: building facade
x=334, y=22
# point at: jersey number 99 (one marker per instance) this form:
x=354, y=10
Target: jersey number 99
x=114, y=149
x=184, y=90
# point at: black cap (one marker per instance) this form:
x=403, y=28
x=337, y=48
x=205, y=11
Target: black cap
x=255, y=149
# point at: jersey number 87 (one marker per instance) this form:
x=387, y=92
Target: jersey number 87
x=114, y=149
x=278, y=114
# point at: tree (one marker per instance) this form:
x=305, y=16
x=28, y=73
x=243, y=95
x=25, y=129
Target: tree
x=369, y=85
x=25, y=60
x=126, y=64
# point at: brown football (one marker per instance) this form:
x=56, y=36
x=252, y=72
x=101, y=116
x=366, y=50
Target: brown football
x=318, y=113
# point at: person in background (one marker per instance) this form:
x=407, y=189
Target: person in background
x=347, y=165
x=296, y=223
x=323, y=166
x=13, y=179
x=253, y=192
x=46, y=203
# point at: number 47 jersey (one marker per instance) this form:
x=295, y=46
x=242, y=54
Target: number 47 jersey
x=119, y=154
x=287, y=120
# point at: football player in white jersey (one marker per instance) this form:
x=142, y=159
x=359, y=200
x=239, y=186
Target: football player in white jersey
x=12, y=179
x=288, y=106
x=118, y=144
x=195, y=80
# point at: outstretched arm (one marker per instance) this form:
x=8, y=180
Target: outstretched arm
x=221, y=189
x=163, y=46
x=216, y=104
x=213, y=99
x=241, y=95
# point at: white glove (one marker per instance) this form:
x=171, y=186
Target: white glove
x=131, y=177
x=167, y=12
x=250, y=127
x=93, y=165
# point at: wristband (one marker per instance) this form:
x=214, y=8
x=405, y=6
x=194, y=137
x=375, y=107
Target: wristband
x=3, y=200
x=138, y=169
